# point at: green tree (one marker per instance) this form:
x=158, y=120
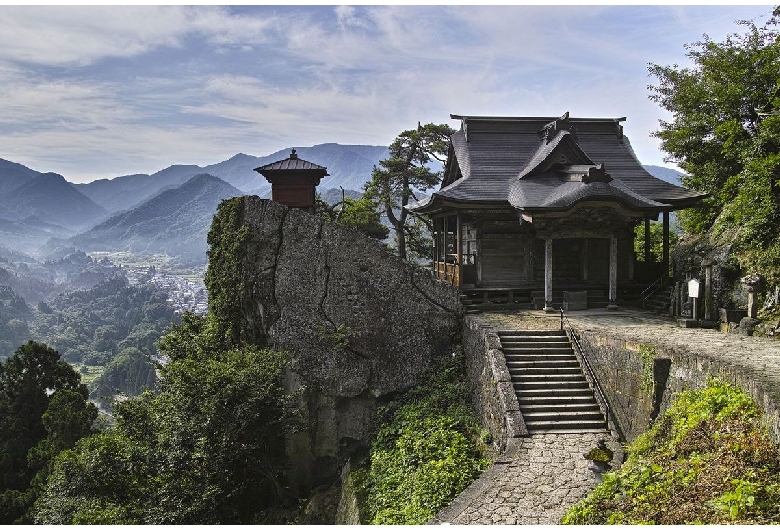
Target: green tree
x=725, y=133
x=406, y=172
x=43, y=410
x=656, y=241
x=207, y=449
x=361, y=214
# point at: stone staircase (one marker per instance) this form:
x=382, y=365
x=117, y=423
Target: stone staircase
x=552, y=392
x=659, y=301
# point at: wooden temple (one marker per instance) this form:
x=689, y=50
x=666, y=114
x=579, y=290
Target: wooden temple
x=294, y=181
x=544, y=208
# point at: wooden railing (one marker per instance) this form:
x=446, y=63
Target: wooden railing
x=601, y=396
x=449, y=272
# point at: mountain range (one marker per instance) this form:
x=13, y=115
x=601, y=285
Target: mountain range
x=167, y=211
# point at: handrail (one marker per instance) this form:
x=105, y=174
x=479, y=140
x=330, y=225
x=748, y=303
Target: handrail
x=653, y=288
x=580, y=353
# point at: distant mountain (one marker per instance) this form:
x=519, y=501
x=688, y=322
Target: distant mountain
x=122, y=193
x=669, y=175
x=175, y=221
x=13, y=175
x=53, y=200
x=348, y=166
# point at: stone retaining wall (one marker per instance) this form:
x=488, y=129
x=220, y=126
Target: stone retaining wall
x=494, y=396
x=620, y=370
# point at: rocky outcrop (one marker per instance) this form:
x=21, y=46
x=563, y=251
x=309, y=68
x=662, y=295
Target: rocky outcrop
x=360, y=323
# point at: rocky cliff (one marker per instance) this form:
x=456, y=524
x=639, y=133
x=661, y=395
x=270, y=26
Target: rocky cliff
x=360, y=324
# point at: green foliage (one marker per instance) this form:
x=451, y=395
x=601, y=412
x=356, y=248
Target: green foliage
x=707, y=460
x=338, y=339
x=360, y=214
x=647, y=354
x=227, y=241
x=725, y=135
x=92, y=326
x=428, y=451
x=656, y=241
x=207, y=449
x=131, y=372
x=392, y=184
x=43, y=410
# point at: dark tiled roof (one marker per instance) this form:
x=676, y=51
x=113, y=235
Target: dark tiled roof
x=551, y=192
x=292, y=163
x=493, y=154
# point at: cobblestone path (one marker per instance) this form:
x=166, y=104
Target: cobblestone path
x=540, y=477
x=535, y=482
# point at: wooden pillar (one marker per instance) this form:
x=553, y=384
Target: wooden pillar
x=585, y=259
x=613, y=266
x=478, y=257
x=548, y=274
x=647, y=240
x=459, y=250
x=435, y=245
x=666, y=242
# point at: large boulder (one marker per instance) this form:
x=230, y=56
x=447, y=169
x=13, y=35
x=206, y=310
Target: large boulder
x=360, y=324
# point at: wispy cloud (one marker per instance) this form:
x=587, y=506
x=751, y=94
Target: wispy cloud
x=89, y=91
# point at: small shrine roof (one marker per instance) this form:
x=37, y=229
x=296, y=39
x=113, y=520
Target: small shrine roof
x=292, y=163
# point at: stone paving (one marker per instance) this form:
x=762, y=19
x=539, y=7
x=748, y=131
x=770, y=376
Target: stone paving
x=535, y=482
x=540, y=477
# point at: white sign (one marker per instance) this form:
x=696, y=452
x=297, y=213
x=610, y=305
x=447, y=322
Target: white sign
x=693, y=288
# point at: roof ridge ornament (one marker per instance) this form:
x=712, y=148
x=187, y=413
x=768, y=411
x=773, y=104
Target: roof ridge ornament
x=293, y=155
x=563, y=123
x=596, y=173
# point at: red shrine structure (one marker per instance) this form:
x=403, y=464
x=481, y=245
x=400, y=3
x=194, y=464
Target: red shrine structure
x=293, y=181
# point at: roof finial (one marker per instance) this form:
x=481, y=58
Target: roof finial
x=293, y=155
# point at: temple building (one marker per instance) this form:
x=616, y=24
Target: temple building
x=544, y=209
x=294, y=181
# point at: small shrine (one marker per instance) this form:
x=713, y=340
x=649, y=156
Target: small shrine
x=294, y=181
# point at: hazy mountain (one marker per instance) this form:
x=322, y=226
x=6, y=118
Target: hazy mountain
x=669, y=175
x=12, y=176
x=348, y=166
x=53, y=200
x=175, y=221
x=123, y=193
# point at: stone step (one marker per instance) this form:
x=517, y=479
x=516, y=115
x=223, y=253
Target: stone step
x=552, y=392
x=544, y=427
x=540, y=341
x=539, y=383
x=562, y=416
x=569, y=361
x=521, y=357
x=531, y=332
x=553, y=372
x=584, y=404
x=535, y=349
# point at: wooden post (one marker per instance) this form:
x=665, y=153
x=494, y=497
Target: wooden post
x=585, y=259
x=459, y=250
x=548, y=274
x=666, y=242
x=647, y=240
x=613, y=272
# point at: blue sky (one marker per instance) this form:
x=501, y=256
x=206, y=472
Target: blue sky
x=97, y=92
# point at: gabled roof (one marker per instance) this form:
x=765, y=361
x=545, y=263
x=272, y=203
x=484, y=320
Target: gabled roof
x=507, y=160
x=292, y=163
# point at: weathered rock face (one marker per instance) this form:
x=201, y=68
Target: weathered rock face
x=359, y=323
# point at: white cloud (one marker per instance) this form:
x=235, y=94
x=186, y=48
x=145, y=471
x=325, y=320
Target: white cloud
x=57, y=35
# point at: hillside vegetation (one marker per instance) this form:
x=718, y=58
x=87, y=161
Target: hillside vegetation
x=429, y=448
x=707, y=460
